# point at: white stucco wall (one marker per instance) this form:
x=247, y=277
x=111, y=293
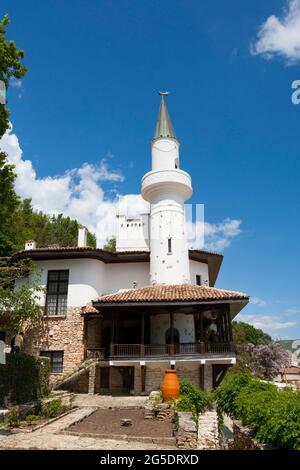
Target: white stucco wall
x=88, y=278
x=197, y=267
x=85, y=279
x=132, y=233
x=160, y=323
x=123, y=275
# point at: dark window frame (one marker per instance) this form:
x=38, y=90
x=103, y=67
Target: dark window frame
x=198, y=280
x=58, y=293
x=56, y=366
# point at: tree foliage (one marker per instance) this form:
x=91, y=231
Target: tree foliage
x=9, y=203
x=44, y=229
x=20, y=292
x=110, y=245
x=10, y=67
x=256, y=351
x=19, y=222
x=273, y=415
x=245, y=333
x=267, y=359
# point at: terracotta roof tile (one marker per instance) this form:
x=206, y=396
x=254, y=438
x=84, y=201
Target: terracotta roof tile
x=88, y=309
x=169, y=293
x=290, y=370
x=56, y=247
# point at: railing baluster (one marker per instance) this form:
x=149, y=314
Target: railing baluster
x=142, y=350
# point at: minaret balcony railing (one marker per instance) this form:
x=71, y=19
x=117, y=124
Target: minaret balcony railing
x=169, y=181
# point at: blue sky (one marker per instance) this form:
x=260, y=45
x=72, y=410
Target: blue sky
x=90, y=97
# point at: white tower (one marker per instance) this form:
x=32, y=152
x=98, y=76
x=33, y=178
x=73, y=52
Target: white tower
x=167, y=188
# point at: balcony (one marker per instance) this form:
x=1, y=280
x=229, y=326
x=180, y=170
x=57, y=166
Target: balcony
x=121, y=351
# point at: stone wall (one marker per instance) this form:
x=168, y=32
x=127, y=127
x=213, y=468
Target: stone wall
x=58, y=333
x=187, y=431
x=155, y=374
x=208, y=380
x=78, y=383
x=208, y=433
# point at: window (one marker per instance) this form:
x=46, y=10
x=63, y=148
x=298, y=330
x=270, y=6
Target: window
x=169, y=245
x=57, y=292
x=56, y=360
x=198, y=280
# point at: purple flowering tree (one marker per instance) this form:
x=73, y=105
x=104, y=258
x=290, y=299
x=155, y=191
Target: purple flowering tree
x=266, y=359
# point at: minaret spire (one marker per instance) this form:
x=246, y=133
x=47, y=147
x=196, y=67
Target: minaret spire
x=164, y=127
x=167, y=187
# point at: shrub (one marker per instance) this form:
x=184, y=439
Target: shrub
x=54, y=408
x=254, y=403
x=184, y=403
x=31, y=418
x=282, y=428
x=273, y=415
x=192, y=398
x=13, y=418
x=23, y=378
x=227, y=393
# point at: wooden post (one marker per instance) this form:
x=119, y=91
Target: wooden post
x=142, y=352
x=85, y=344
x=171, y=350
x=229, y=326
x=112, y=331
x=224, y=314
x=201, y=326
x=143, y=378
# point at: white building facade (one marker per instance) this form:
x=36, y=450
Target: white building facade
x=149, y=306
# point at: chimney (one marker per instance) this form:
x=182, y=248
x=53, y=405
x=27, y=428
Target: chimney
x=30, y=245
x=82, y=236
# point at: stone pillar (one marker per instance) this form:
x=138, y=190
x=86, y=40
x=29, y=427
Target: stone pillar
x=208, y=377
x=92, y=379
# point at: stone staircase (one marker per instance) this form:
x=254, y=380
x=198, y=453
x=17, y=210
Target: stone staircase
x=82, y=378
x=208, y=433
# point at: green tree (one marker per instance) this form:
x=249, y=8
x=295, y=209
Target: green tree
x=20, y=291
x=110, y=245
x=245, y=333
x=9, y=202
x=10, y=67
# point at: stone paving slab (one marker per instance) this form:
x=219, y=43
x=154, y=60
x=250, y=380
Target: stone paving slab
x=108, y=401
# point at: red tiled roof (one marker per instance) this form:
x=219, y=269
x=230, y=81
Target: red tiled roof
x=213, y=260
x=290, y=370
x=171, y=293
x=88, y=309
x=56, y=247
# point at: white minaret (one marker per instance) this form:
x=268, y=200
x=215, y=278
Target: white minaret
x=167, y=188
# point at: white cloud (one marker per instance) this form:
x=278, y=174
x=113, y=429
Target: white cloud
x=257, y=301
x=280, y=36
x=15, y=83
x=292, y=311
x=79, y=193
x=268, y=323
x=215, y=237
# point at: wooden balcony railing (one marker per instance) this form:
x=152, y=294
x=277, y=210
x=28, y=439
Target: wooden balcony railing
x=144, y=350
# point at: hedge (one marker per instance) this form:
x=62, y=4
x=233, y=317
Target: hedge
x=272, y=414
x=23, y=378
x=192, y=398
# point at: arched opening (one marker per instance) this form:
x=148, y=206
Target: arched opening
x=176, y=336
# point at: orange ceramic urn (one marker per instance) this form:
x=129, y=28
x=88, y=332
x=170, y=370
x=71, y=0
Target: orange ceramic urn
x=170, y=387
